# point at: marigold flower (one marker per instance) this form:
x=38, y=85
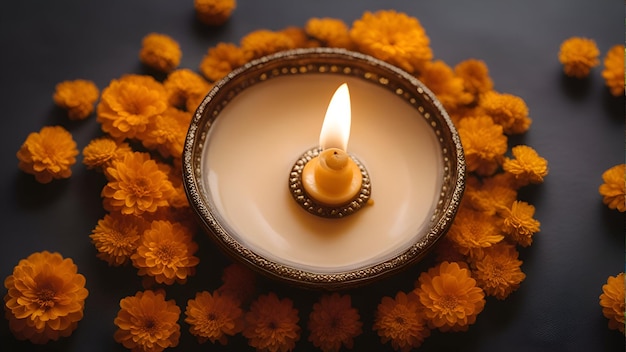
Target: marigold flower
x=578, y=56
x=147, y=322
x=334, y=322
x=612, y=301
x=448, y=88
x=45, y=297
x=498, y=271
x=450, y=297
x=238, y=282
x=519, y=224
x=167, y=132
x=221, y=60
x=400, y=321
x=165, y=253
x=77, y=97
x=473, y=230
x=272, y=324
x=184, y=84
x=613, y=189
x=116, y=237
x=527, y=166
x=330, y=32
x=136, y=185
x=129, y=104
x=484, y=144
x=613, y=72
x=507, y=110
x=160, y=52
x=214, y=12
x=264, y=42
x=491, y=195
x=48, y=154
x=213, y=317
x=100, y=153
x=393, y=37
x=299, y=37
x=475, y=75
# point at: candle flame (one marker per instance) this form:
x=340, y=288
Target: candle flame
x=336, y=127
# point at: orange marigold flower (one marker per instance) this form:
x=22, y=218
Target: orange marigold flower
x=220, y=60
x=612, y=301
x=484, y=144
x=613, y=72
x=330, y=32
x=491, y=195
x=498, y=271
x=116, y=237
x=184, y=84
x=77, y=97
x=473, y=230
x=238, y=282
x=160, y=52
x=519, y=224
x=147, y=322
x=400, y=321
x=136, y=185
x=129, y=104
x=393, y=37
x=100, y=153
x=264, y=42
x=165, y=253
x=507, y=110
x=214, y=12
x=475, y=75
x=299, y=37
x=614, y=187
x=45, y=297
x=213, y=317
x=578, y=56
x=48, y=154
x=334, y=322
x=448, y=88
x=272, y=324
x=166, y=133
x=527, y=166
x=450, y=297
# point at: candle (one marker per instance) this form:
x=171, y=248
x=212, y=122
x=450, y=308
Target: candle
x=333, y=178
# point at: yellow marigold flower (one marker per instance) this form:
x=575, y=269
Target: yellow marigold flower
x=498, y=271
x=400, y=321
x=450, y=297
x=147, y=322
x=166, y=133
x=116, y=237
x=272, y=324
x=491, y=195
x=214, y=12
x=578, y=56
x=507, y=110
x=299, y=37
x=473, y=230
x=393, y=37
x=612, y=301
x=519, y=224
x=613, y=72
x=136, y=185
x=165, y=253
x=77, y=97
x=160, y=52
x=613, y=189
x=527, y=166
x=48, y=154
x=330, y=32
x=129, y=104
x=100, y=153
x=184, y=84
x=334, y=323
x=484, y=144
x=264, y=42
x=238, y=282
x=448, y=88
x=45, y=297
x=213, y=317
x=475, y=75
x=220, y=60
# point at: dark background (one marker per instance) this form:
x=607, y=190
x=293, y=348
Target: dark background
x=577, y=126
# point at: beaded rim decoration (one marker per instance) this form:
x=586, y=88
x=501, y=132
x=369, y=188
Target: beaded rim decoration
x=324, y=61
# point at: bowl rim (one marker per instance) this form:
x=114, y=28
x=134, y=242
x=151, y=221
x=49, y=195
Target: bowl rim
x=332, y=61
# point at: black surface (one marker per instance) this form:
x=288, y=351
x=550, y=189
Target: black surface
x=577, y=126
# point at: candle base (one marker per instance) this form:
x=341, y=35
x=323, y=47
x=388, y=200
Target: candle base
x=314, y=207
